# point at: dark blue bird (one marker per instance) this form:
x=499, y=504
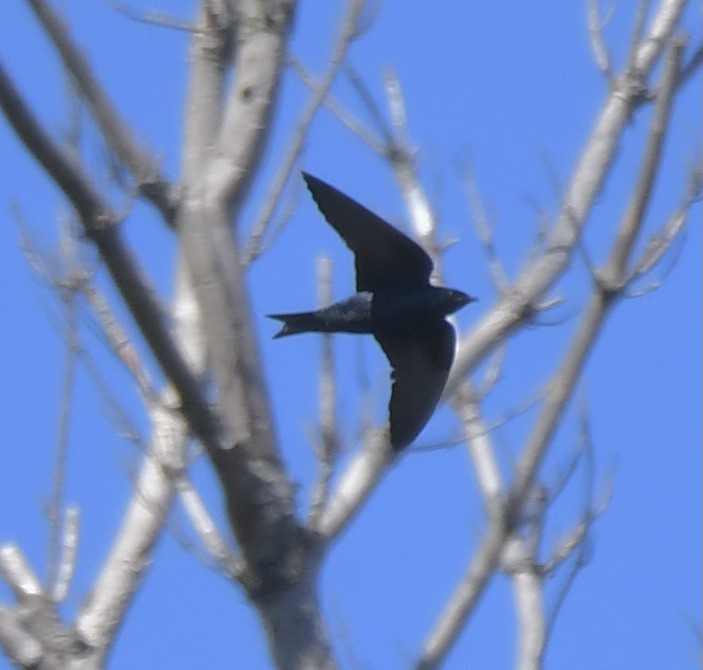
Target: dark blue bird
x=395, y=303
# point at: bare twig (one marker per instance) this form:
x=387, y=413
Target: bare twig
x=637, y=32
x=145, y=518
x=484, y=230
x=98, y=221
x=372, y=108
x=142, y=525
x=577, y=542
x=587, y=178
x=17, y=573
x=660, y=244
x=528, y=597
x=117, y=338
x=151, y=18
x=559, y=390
x=207, y=530
x=662, y=27
x=643, y=191
x=401, y=158
x=348, y=32
x=691, y=66
x=612, y=277
x=464, y=599
x=338, y=110
x=81, y=280
x=595, y=33
x=367, y=467
x=120, y=138
x=55, y=509
x=476, y=435
x=61, y=583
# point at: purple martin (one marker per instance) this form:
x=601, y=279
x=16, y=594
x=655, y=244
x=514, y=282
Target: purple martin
x=395, y=303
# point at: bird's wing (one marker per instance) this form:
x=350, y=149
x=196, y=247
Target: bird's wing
x=385, y=258
x=420, y=369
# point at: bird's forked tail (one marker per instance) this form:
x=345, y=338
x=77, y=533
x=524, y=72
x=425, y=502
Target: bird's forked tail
x=299, y=322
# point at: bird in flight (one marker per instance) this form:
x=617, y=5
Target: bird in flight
x=394, y=302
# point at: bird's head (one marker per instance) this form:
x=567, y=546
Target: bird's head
x=451, y=300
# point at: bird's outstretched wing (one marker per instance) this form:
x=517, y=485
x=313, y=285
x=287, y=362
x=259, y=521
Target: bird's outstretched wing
x=421, y=365
x=385, y=258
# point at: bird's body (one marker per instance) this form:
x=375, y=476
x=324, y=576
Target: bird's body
x=346, y=316
x=368, y=312
x=395, y=303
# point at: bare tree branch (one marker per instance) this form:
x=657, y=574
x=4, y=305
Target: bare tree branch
x=586, y=181
x=613, y=276
x=262, y=32
x=55, y=508
x=237, y=60
x=347, y=33
x=252, y=469
x=119, y=137
x=67, y=559
x=360, y=477
x=20, y=646
x=481, y=450
x=558, y=393
x=595, y=33
x=328, y=438
x=98, y=222
x=484, y=231
x=339, y=111
x=207, y=530
x=464, y=599
x=151, y=18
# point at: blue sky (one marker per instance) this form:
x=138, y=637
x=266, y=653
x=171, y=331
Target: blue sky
x=512, y=90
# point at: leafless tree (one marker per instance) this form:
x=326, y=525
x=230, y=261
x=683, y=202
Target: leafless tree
x=207, y=350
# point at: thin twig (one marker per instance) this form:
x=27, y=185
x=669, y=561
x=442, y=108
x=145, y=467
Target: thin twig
x=659, y=244
x=117, y=338
x=119, y=136
x=464, y=599
x=400, y=154
x=342, y=114
x=98, y=222
x=613, y=277
x=691, y=66
x=17, y=573
x=637, y=32
x=477, y=437
x=592, y=169
x=152, y=18
x=484, y=231
x=595, y=34
x=347, y=34
x=372, y=108
x=55, y=509
x=634, y=217
x=61, y=585
x=206, y=528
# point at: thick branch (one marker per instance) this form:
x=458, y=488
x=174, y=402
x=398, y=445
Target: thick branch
x=262, y=38
x=259, y=496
